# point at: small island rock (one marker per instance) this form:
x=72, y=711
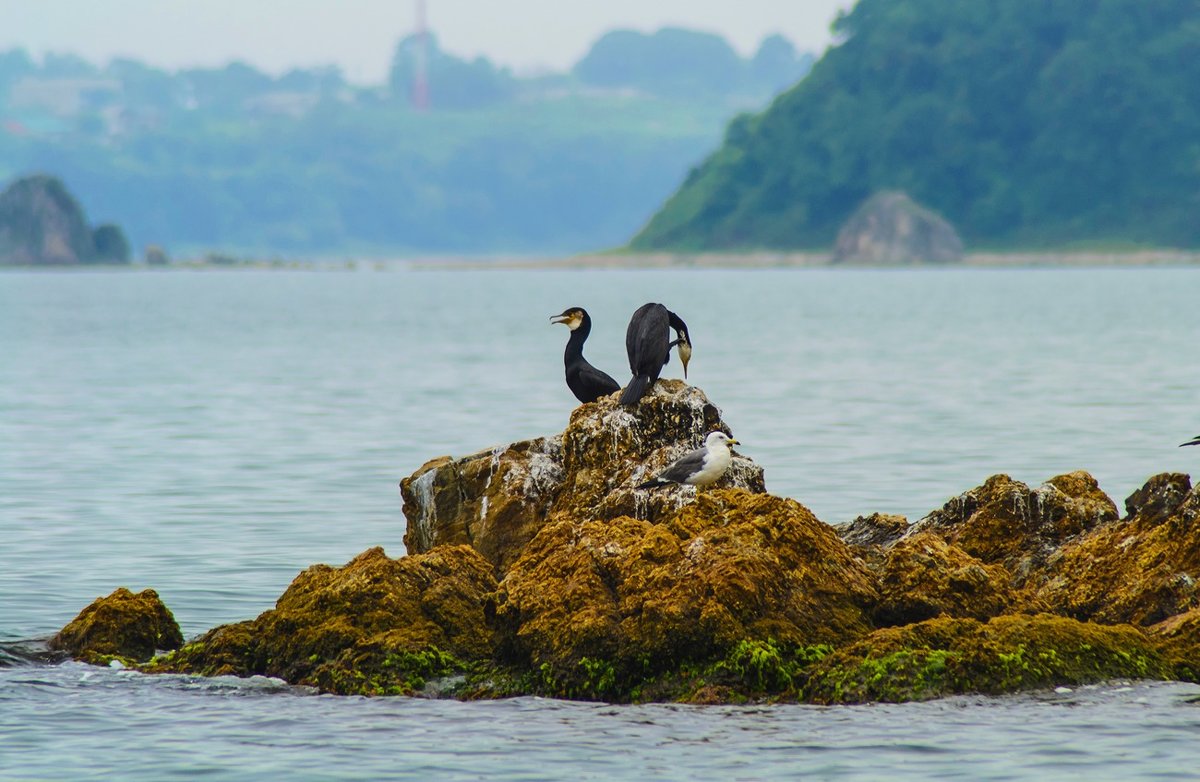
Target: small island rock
x=122, y=625
x=890, y=228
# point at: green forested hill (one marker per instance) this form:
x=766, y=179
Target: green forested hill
x=1025, y=123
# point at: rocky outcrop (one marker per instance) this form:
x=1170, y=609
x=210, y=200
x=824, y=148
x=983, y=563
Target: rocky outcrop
x=1008, y=653
x=497, y=500
x=1004, y=522
x=923, y=576
x=1141, y=569
x=890, y=228
x=374, y=626
x=122, y=626
x=645, y=598
x=41, y=223
x=535, y=568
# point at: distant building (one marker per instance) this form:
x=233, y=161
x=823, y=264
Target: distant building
x=63, y=97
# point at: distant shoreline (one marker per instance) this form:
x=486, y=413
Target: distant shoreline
x=790, y=260
x=761, y=259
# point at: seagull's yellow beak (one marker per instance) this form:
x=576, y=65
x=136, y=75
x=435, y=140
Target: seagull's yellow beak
x=734, y=442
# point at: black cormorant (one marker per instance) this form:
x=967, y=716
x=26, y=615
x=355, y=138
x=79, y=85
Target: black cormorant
x=699, y=467
x=585, y=381
x=648, y=343
x=1194, y=441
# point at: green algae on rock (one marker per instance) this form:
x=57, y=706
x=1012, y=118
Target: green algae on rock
x=374, y=626
x=122, y=626
x=1010, y=653
x=647, y=598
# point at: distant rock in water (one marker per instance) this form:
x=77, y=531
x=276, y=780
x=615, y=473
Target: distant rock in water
x=41, y=223
x=156, y=256
x=891, y=228
x=111, y=244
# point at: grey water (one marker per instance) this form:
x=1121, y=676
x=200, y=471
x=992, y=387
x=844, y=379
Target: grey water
x=212, y=433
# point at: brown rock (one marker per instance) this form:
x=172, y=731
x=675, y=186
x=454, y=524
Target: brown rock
x=125, y=625
x=1141, y=569
x=643, y=597
x=359, y=628
x=1005, y=522
x=947, y=656
x=923, y=577
x=870, y=536
x=497, y=500
x=1179, y=638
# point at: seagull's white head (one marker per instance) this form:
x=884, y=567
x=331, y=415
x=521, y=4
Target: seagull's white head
x=717, y=439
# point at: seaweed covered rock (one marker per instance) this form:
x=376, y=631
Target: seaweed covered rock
x=1179, y=639
x=123, y=625
x=1141, y=569
x=1009, y=653
x=376, y=625
x=923, y=576
x=632, y=598
x=498, y=500
x=1004, y=522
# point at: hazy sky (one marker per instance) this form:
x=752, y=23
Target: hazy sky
x=359, y=35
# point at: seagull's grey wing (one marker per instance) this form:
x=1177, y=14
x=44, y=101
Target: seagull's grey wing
x=685, y=466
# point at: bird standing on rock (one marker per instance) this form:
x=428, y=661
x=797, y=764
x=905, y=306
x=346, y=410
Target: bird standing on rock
x=700, y=467
x=648, y=343
x=585, y=381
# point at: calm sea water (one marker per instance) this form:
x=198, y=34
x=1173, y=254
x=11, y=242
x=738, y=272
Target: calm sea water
x=210, y=434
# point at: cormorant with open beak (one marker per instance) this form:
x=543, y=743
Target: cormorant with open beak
x=648, y=343
x=1194, y=441
x=585, y=381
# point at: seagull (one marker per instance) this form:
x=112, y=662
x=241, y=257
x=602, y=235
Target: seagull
x=699, y=467
x=648, y=343
x=1194, y=441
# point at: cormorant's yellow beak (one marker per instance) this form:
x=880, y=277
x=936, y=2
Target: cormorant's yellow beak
x=558, y=318
x=685, y=355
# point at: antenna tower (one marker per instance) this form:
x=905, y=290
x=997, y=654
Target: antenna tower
x=420, y=86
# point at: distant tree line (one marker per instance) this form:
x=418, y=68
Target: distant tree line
x=1031, y=124
x=237, y=159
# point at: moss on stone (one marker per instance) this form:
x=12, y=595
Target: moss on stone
x=1007, y=654
x=121, y=626
x=649, y=598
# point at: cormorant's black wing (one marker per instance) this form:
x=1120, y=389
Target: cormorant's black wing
x=597, y=382
x=646, y=340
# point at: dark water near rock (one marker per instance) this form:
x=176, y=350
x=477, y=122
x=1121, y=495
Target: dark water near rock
x=211, y=434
